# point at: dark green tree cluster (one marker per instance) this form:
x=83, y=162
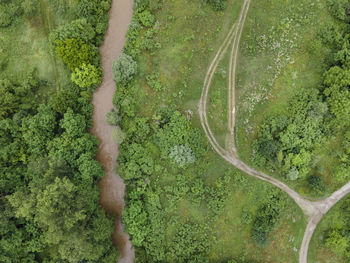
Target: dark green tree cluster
x=48, y=171
x=48, y=186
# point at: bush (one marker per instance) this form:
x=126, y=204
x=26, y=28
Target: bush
x=86, y=75
x=74, y=52
x=79, y=29
x=338, y=8
x=217, y=5
x=118, y=135
x=113, y=118
x=182, y=155
x=124, y=68
x=316, y=184
x=5, y=17
x=146, y=18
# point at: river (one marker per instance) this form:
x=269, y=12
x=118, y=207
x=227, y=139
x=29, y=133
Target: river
x=111, y=185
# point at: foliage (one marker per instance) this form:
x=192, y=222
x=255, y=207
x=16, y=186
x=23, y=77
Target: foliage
x=267, y=217
x=316, y=183
x=118, y=135
x=113, y=118
x=182, y=155
x=74, y=52
x=339, y=8
x=178, y=132
x=217, y=5
x=135, y=162
x=30, y=7
x=146, y=18
x=48, y=185
x=86, y=76
x=124, y=68
x=77, y=29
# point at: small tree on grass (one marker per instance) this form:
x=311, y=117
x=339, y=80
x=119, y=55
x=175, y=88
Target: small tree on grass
x=124, y=68
x=86, y=75
x=118, y=135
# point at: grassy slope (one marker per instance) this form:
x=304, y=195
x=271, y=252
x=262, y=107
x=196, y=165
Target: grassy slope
x=189, y=36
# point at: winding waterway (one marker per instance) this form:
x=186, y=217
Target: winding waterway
x=111, y=185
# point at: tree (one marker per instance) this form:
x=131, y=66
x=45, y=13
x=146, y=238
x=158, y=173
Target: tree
x=74, y=124
x=79, y=29
x=124, y=68
x=86, y=75
x=39, y=129
x=74, y=52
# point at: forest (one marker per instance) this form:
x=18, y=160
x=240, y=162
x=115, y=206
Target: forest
x=49, y=174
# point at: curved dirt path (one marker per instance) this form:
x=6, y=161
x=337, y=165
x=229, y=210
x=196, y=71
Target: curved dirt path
x=111, y=185
x=314, y=210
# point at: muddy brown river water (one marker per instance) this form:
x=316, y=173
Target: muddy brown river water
x=111, y=185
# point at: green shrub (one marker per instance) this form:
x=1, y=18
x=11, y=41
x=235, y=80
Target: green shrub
x=118, y=135
x=74, y=52
x=338, y=8
x=124, y=68
x=182, y=155
x=86, y=76
x=5, y=16
x=217, y=5
x=113, y=118
x=146, y=18
x=78, y=29
x=316, y=184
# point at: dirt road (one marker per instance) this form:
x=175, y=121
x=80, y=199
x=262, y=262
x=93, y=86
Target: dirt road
x=314, y=210
x=111, y=185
